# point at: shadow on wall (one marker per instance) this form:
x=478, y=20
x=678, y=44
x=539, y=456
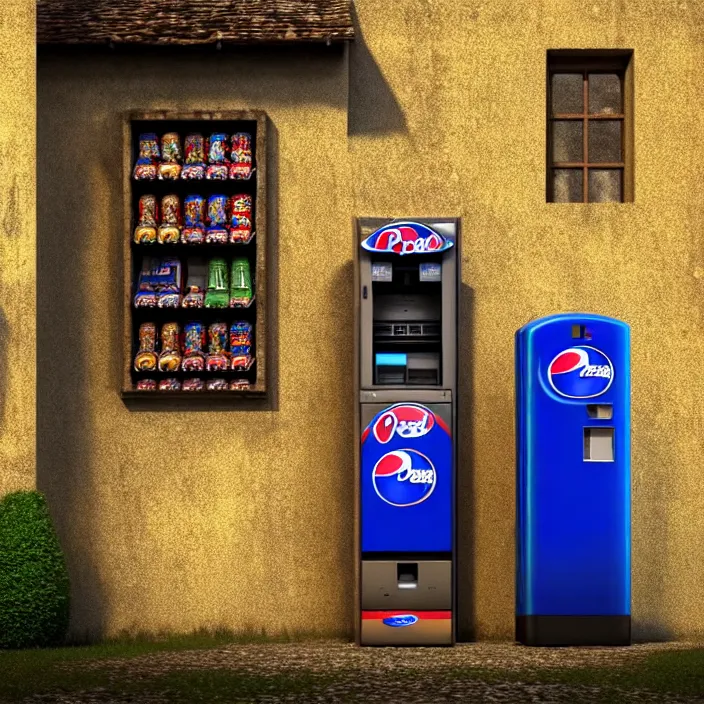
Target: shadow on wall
x=342, y=289
x=62, y=363
x=272, y=321
x=650, y=632
x=81, y=95
x=172, y=78
x=373, y=108
x=466, y=514
x=650, y=507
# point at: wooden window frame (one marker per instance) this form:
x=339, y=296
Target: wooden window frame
x=591, y=62
x=260, y=391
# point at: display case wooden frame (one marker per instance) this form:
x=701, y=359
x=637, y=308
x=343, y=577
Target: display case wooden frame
x=161, y=122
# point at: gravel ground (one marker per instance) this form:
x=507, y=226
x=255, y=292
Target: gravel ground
x=389, y=675
x=324, y=656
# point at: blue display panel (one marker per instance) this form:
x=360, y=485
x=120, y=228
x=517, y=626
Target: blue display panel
x=573, y=466
x=406, y=481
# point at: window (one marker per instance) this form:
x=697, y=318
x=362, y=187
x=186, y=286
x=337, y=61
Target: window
x=203, y=293
x=589, y=127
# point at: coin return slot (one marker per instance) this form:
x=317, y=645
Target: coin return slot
x=601, y=411
x=407, y=574
x=599, y=444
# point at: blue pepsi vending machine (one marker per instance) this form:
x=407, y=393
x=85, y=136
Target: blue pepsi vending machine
x=406, y=409
x=573, y=542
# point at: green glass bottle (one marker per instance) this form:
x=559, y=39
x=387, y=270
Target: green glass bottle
x=240, y=283
x=216, y=296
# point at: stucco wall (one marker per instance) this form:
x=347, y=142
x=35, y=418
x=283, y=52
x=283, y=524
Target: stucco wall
x=182, y=520
x=464, y=96
x=17, y=246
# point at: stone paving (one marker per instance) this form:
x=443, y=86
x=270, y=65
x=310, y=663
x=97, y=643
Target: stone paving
x=390, y=675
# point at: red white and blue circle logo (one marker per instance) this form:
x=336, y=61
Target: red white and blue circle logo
x=580, y=372
x=404, y=477
x=405, y=420
x=401, y=620
x=406, y=238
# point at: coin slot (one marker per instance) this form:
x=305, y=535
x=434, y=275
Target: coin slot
x=407, y=575
x=598, y=444
x=601, y=411
x=580, y=332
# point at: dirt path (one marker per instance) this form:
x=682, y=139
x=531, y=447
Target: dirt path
x=390, y=675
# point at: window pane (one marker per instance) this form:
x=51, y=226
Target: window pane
x=604, y=93
x=567, y=93
x=605, y=186
x=567, y=186
x=567, y=140
x=604, y=141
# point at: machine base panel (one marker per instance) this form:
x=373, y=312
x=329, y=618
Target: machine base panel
x=573, y=630
x=427, y=628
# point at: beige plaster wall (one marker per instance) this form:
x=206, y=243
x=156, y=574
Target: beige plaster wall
x=177, y=520
x=182, y=520
x=17, y=246
x=463, y=89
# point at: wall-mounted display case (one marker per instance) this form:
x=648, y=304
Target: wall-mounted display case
x=195, y=256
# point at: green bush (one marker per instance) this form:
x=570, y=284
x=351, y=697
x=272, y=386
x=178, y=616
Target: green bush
x=34, y=586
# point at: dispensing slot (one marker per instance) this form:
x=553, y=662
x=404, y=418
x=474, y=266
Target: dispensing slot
x=423, y=368
x=407, y=575
x=602, y=411
x=391, y=368
x=599, y=444
x=424, y=585
x=407, y=339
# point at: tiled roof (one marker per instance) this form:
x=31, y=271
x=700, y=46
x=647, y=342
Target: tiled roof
x=192, y=22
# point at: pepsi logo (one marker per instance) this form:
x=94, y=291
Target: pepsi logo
x=404, y=478
x=406, y=238
x=401, y=620
x=406, y=421
x=580, y=372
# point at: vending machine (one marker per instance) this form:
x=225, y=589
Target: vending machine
x=573, y=537
x=407, y=282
